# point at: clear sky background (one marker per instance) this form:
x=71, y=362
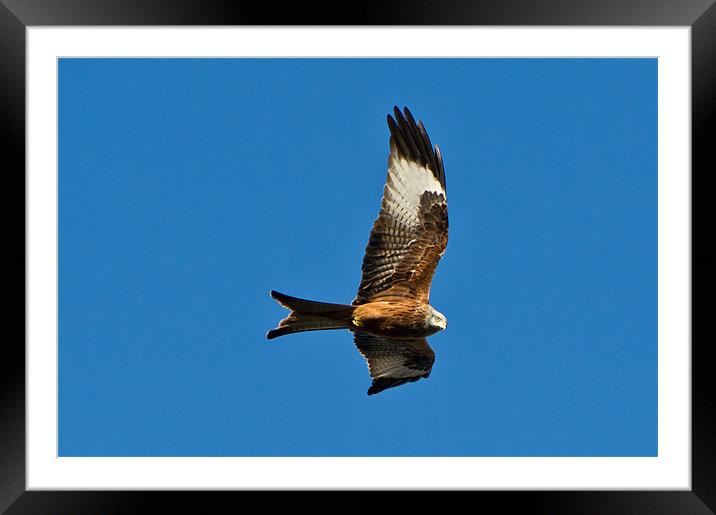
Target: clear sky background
x=190, y=188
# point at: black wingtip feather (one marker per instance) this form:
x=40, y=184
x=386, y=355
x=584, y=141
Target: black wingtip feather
x=273, y=333
x=421, y=137
x=411, y=141
x=397, y=138
x=277, y=295
x=380, y=384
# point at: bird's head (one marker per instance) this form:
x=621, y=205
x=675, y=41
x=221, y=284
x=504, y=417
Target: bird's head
x=437, y=320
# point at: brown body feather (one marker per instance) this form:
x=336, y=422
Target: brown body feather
x=393, y=319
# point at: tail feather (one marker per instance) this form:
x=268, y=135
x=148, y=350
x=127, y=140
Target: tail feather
x=308, y=315
x=300, y=323
x=306, y=306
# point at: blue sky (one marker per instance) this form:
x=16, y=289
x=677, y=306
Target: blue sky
x=190, y=188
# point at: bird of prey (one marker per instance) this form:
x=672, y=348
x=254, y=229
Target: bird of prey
x=391, y=315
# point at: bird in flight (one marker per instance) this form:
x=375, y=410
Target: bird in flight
x=391, y=316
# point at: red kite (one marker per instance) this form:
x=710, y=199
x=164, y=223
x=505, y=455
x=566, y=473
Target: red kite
x=391, y=315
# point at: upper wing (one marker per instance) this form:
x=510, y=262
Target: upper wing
x=393, y=362
x=411, y=232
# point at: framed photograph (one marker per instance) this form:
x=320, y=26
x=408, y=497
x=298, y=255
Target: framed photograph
x=178, y=174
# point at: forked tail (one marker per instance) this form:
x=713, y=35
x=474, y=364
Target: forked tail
x=308, y=315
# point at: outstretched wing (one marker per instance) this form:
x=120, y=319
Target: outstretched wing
x=411, y=232
x=393, y=362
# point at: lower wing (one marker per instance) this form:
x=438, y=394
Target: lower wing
x=393, y=362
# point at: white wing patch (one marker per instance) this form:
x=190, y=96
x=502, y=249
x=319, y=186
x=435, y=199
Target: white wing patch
x=392, y=366
x=406, y=182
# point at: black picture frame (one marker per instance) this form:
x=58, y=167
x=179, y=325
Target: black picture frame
x=16, y=15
